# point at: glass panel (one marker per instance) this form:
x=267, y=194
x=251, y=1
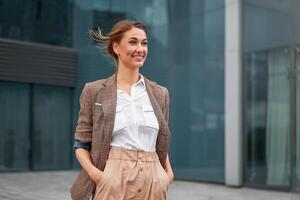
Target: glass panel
x=268, y=97
x=296, y=41
x=51, y=140
x=14, y=131
x=268, y=118
x=255, y=116
x=278, y=119
x=297, y=142
x=39, y=21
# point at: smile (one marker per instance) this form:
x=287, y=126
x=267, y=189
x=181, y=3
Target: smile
x=137, y=56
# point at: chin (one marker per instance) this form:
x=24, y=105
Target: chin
x=137, y=65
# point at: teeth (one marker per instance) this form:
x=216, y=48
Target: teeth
x=137, y=56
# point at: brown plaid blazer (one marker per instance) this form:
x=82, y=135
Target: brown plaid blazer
x=96, y=121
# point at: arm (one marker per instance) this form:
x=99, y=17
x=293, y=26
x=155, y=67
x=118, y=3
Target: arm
x=169, y=170
x=84, y=158
x=83, y=135
x=168, y=167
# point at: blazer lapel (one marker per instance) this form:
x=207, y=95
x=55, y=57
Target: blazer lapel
x=151, y=90
x=108, y=95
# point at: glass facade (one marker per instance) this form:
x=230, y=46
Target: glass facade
x=41, y=21
x=195, y=77
x=271, y=56
x=186, y=54
x=36, y=127
x=51, y=132
x=36, y=119
x=14, y=116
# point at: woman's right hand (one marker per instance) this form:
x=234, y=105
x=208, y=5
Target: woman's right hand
x=85, y=160
x=95, y=174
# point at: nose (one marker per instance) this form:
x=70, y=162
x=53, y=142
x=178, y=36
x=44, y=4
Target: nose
x=140, y=48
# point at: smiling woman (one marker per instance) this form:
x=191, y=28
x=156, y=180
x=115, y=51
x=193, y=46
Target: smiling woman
x=122, y=136
x=132, y=49
x=134, y=33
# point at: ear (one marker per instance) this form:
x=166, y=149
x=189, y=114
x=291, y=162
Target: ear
x=116, y=48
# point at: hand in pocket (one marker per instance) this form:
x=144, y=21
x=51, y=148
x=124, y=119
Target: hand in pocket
x=96, y=175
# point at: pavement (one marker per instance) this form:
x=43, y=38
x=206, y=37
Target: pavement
x=54, y=185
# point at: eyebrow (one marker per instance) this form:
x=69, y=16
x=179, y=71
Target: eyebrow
x=136, y=38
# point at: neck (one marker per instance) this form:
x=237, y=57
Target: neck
x=127, y=76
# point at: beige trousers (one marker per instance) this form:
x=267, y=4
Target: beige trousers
x=130, y=174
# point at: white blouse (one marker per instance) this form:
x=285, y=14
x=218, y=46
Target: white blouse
x=136, y=126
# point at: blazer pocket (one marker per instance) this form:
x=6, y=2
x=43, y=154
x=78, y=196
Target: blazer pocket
x=150, y=117
x=98, y=108
x=119, y=122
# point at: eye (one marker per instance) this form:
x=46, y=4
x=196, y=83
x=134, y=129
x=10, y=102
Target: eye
x=145, y=43
x=132, y=42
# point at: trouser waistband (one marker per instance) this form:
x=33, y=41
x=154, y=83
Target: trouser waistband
x=132, y=155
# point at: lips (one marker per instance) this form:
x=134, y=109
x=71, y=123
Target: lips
x=138, y=57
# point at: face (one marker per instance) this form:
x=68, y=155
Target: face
x=132, y=50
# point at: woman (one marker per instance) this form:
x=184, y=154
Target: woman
x=122, y=136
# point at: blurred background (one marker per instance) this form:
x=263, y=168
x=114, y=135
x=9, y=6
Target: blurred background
x=46, y=57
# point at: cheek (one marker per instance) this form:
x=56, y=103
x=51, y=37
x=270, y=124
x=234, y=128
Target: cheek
x=129, y=52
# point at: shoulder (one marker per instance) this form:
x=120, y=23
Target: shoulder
x=93, y=87
x=158, y=88
x=165, y=94
x=163, y=89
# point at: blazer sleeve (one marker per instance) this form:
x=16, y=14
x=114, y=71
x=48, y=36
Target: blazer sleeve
x=166, y=105
x=83, y=132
